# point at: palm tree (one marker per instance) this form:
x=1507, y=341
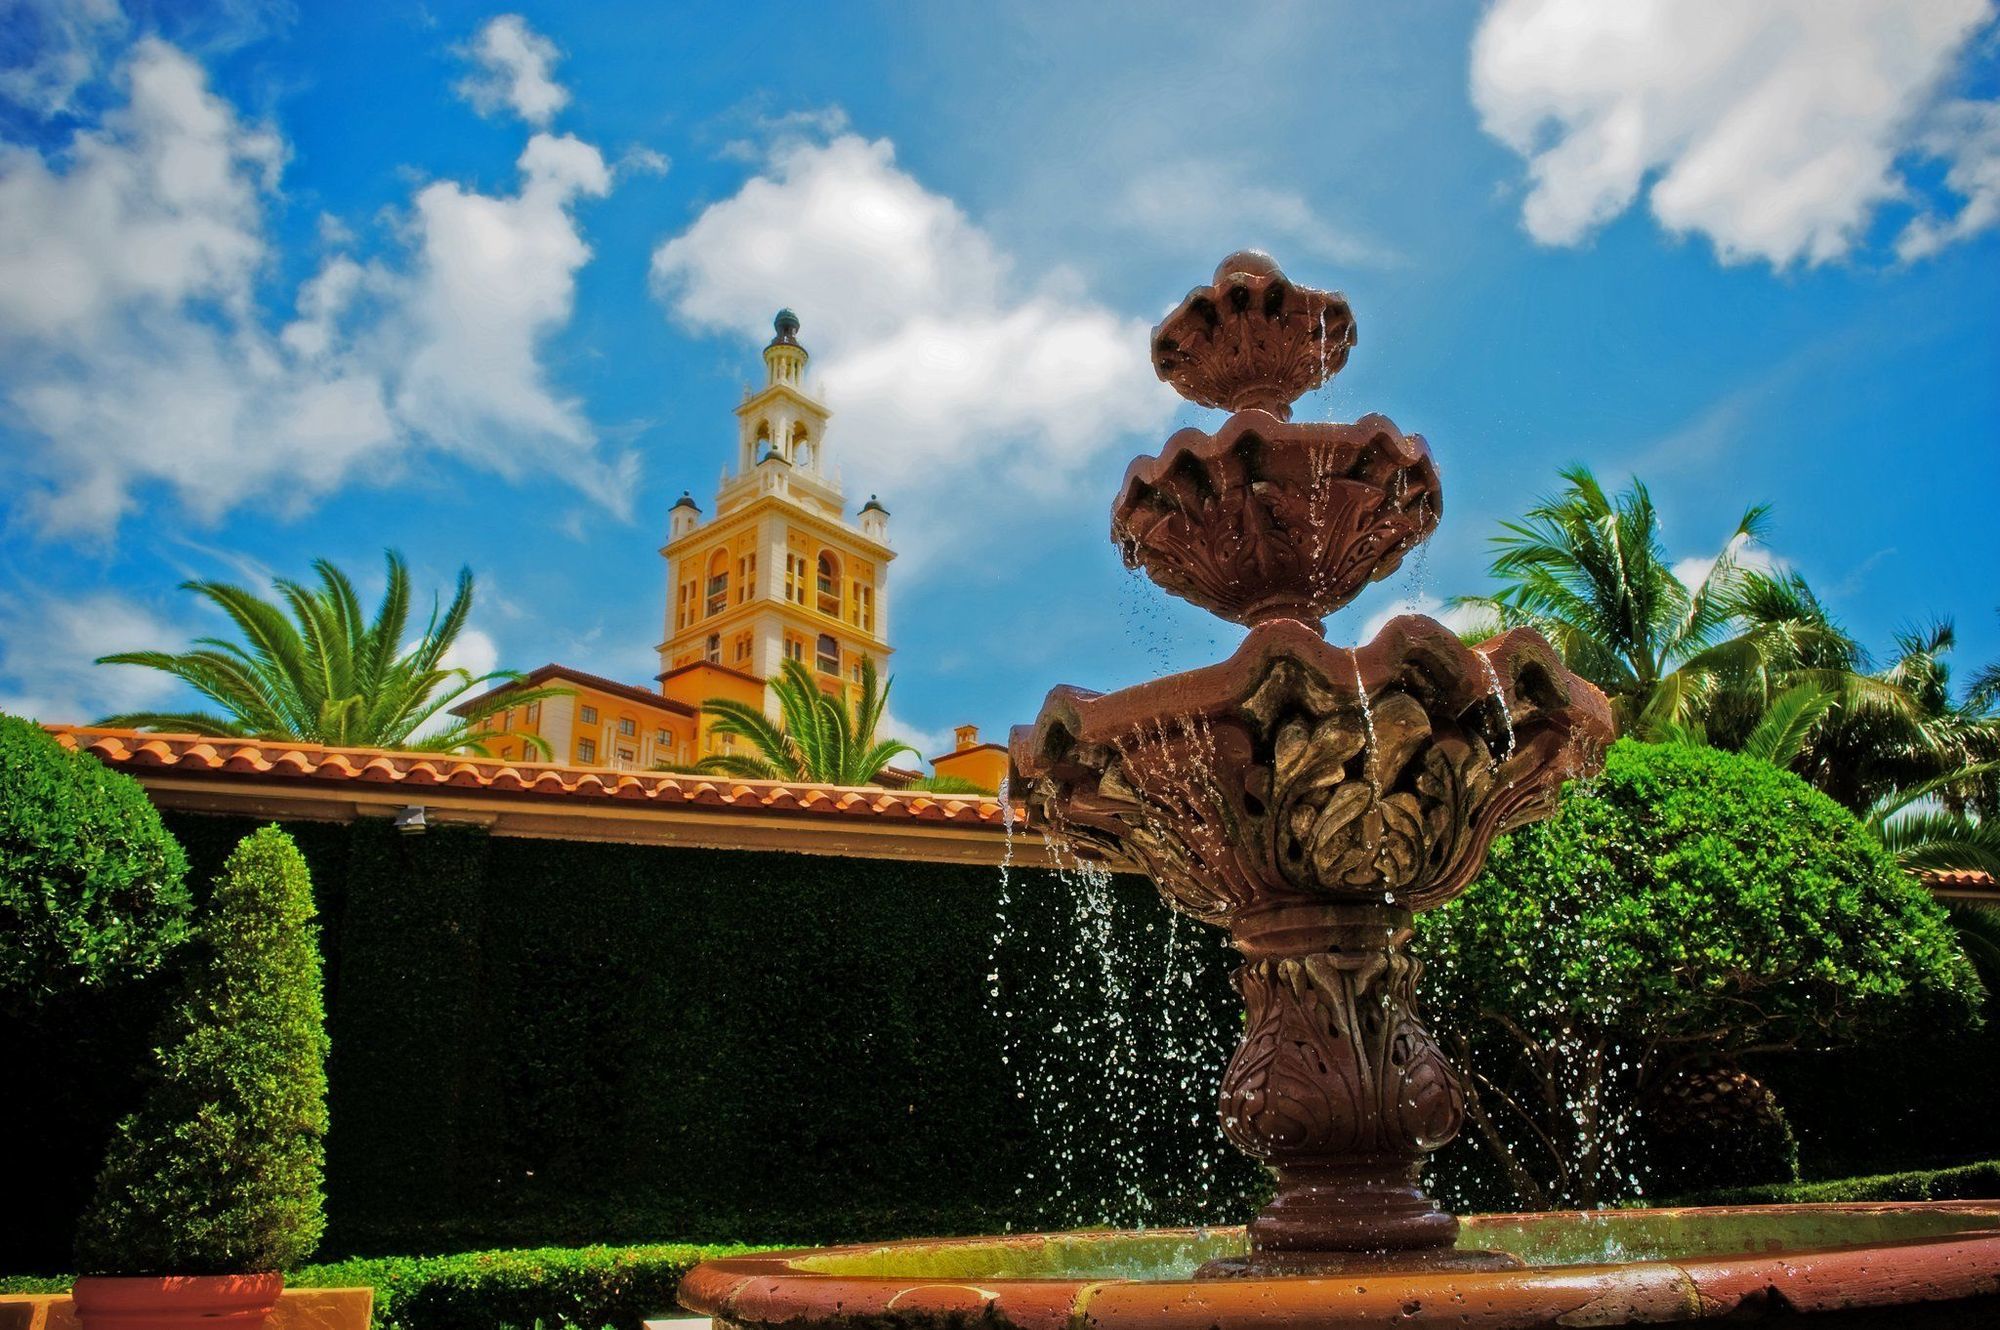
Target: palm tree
x=1589, y=571
x=327, y=674
x=816, y=737
x=1911, y=733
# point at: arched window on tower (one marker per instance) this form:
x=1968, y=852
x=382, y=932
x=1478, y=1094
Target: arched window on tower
x=829, y=655
x=762, y=443
x=718, y=583
x=802, y=449
x=829, y=584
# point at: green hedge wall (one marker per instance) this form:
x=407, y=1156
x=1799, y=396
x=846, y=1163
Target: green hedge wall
x=544, y=1042
x=584, y=1287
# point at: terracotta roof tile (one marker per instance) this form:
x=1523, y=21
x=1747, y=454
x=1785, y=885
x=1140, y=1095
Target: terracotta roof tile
x=224, y=760
x=1959, y=879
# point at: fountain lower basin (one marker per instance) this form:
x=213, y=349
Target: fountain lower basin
x=1917, y=1264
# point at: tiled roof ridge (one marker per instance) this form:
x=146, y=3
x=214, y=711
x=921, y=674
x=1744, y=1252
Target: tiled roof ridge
x=541, y=674
x=449, y=772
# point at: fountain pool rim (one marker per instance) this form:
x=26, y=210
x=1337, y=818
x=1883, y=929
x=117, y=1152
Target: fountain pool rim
x=1895, y=1254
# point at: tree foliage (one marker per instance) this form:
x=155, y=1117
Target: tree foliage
x=313, y=666
x=91, y=887
x=219, y=1169
x=817, y=736
x=1688, y=908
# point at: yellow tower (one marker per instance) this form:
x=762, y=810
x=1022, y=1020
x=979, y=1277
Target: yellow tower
x=779, y=571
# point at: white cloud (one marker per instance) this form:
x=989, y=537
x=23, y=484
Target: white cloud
x=514, y=64
x=62, y=39
x=1692, y=570
x=963, y=392
x=928, y=743
x=133, y=350
x=473, y=651
x=48, y=645
x=1967, y=135
x=1772, y=128
x=1200, y=206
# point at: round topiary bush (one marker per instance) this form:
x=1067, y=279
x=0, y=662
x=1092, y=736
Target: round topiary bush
x=1687, y=908
x=91, y=885
x=219, y=1170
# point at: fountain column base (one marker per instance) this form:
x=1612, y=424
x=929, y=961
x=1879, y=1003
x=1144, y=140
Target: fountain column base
x=1339, y=1089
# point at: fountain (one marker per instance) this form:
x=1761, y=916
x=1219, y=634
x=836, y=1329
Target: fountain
x=1310, y=799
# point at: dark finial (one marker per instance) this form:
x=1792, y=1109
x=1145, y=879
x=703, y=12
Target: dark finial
x=687, y=501
x=787, y=327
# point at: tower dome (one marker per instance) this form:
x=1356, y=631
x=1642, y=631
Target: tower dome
x=784, y=359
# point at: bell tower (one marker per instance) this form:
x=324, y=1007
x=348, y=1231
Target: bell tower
x=780, y=572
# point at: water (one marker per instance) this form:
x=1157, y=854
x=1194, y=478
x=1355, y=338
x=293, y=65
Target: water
x=1116, y=1031
x=1367, y=727
x=1500, y=698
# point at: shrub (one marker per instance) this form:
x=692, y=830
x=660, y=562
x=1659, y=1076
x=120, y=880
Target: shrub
x=1687, y=909
x=1966, y=1182
x=587, y=1287
x=91, y=886
x=219, y=1170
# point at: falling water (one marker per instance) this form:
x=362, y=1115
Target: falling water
x=1500, y=698
x=1367, y=726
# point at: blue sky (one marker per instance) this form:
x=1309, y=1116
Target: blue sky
x=483, y=284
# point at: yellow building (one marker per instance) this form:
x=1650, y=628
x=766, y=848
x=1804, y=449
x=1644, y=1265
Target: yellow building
x=601, y=723
x=780, y=572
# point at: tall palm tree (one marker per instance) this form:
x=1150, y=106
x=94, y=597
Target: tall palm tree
x=312, y=666
x=817, y=736
x=1590, y=572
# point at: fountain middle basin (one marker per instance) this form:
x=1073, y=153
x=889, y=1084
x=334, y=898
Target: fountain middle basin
x=1930, y=1264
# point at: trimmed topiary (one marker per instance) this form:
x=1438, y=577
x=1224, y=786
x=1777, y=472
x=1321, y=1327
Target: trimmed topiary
x=1688, y=908
x=219, y=1170
x=91, y=885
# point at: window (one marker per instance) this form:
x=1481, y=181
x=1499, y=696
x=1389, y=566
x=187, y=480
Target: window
x=795, y=649
x=829, y=654
x=718, y=583
x=829, y=584
x=534, y=714
x=626, y=757
x=746, y=577
x=864, y=606
x=795, y=578
x=713, y=652
x=590, y=715
x=586, y=750
x=627, y=727
x=741, y=653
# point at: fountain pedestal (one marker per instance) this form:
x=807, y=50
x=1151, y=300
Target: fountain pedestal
x=1305, y=797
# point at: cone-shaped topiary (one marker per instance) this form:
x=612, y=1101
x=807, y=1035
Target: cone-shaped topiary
x=219, y=1170
x=91, y=887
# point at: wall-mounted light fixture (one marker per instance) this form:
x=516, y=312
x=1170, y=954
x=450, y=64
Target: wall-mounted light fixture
x=410, y=820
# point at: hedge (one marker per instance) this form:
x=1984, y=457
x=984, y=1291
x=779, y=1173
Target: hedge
x=1966, y=1182
x=586, y=1287
x=539, y=1041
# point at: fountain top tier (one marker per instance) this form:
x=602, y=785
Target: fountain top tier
x=1252, y=341
x=1265, y=519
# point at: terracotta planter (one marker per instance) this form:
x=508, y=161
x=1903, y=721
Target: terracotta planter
x=176, y=1302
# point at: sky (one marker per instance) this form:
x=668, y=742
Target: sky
x=483, y=284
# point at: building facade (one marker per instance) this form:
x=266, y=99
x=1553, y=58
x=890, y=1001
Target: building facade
x=780, y=572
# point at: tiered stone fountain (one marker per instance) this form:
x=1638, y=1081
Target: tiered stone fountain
x=1310, y=799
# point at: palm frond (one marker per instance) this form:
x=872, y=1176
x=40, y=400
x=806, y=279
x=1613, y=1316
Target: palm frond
x=1781, y=735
